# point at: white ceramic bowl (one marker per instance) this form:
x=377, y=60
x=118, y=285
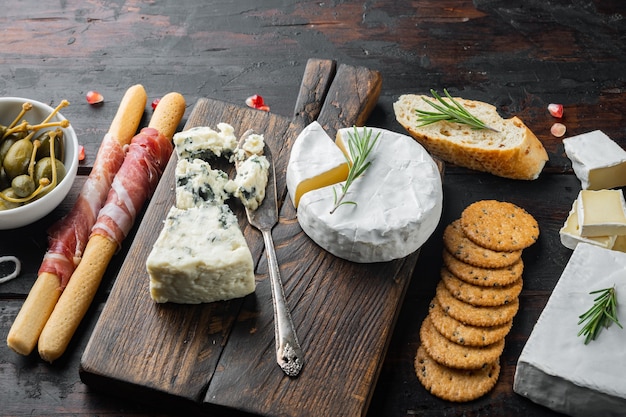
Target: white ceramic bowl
x=35, y=210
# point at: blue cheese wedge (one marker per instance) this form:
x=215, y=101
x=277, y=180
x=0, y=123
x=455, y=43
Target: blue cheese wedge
x=398, y=203
x=200, y=256
x=250, y=182
x=197, y=184
x=598, y=161
x=202, y=142
x=556, y=369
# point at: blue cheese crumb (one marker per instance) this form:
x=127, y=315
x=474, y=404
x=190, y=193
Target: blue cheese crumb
x=197, y=184
x=250, y=182
x=253, y=144
x=202, y=142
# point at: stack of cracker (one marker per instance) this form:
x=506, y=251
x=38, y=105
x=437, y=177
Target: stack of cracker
x=462, y=337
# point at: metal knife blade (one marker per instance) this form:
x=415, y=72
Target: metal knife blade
x=288, y=351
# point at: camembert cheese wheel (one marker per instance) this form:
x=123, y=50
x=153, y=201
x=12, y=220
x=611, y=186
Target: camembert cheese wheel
x=398, y=199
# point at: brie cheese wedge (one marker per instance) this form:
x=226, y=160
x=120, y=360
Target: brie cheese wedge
x=601, y=213
x=598, y=162
x=571, y=237
x=315, y=162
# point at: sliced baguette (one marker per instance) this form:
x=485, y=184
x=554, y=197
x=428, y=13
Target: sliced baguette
x=511, y=152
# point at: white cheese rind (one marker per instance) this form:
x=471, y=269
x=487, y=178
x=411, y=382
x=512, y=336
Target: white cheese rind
x=556, y=369
x=200, y=256
x=399, y=203
x=598, y=161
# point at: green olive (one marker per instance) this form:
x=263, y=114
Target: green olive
x=23, y=185
x=18, y=157
x=6, y=205
x=43, y=168
x=44, y=149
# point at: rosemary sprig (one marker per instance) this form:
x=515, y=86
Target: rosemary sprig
x=360, y=146
x=600, y=315
x=451, y=111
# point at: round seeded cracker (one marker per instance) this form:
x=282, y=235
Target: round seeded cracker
x=454, y=384
x=486, y=277
x=474, y=315
x=465, y=334
x=499, y=225
x=455, y=355
x=465, y=250
x=478, y=295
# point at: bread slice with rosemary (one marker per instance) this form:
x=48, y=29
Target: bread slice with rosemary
x=503, y=147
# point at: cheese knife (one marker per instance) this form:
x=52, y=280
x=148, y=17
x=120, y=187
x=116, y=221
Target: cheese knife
x=288, y=351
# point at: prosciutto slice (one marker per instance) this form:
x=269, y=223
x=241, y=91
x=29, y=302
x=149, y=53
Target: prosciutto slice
x=68, y=237
x=148, y=154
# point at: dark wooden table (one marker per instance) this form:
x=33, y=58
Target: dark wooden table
x=517, y=55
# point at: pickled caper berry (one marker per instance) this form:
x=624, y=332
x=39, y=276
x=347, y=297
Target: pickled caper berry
x=5, y=204
x=43, y=168
x=23, y=185
x=18, y=157
x=5, y=145
x=44, y=149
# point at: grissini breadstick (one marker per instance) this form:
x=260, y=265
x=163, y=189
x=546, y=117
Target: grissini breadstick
x=147, y=157
x=68, y=237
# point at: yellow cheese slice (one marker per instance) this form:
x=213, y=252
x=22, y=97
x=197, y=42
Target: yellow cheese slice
x=315, y=162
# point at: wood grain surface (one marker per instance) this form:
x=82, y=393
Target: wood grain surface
x=518, y=55
x=223, y=353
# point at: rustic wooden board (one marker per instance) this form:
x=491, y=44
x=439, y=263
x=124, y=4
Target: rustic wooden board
x=221, y=355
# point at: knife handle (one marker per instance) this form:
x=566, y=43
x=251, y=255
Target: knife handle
x=288, y=351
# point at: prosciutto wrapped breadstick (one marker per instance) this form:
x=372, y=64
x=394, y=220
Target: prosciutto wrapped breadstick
x=67, y=237
x=135, y=182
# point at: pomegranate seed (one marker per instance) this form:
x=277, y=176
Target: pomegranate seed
x=556, y=110
x=93, y=97
x=155, y=103
x=558, y=129
x=254, y=101
x=81, y=153
x=257, y=102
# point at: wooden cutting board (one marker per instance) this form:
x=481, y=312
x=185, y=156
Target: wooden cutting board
x=222, y=354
